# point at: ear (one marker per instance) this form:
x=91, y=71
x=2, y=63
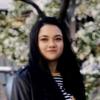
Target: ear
x=40, y=12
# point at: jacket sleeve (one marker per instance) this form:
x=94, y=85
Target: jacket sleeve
x=20, y=89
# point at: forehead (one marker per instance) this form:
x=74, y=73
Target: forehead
x=49, y=29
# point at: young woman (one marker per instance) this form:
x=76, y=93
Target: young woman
x=52, y=72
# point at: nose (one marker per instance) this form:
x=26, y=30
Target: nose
x=52, y=44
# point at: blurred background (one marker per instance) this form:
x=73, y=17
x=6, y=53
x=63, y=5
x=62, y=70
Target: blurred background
x=16, y=20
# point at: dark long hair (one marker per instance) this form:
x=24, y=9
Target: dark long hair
x=67, y=64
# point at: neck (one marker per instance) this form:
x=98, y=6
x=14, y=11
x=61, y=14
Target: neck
x=53, y=67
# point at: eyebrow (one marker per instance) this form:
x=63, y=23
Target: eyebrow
x=54, y=36
x=43, y=36
x=58, y=35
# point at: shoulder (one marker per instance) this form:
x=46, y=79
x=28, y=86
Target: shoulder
x=21, y=85
x=22, y=76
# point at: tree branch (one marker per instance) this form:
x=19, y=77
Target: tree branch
x=41, y=13
x=64, y=7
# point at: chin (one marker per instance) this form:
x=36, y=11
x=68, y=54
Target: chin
x=52, y=59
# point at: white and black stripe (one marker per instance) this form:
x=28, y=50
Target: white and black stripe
x=59, y=80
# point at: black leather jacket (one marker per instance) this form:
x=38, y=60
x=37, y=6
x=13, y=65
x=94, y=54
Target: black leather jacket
x=22, y=88
x=35, y=86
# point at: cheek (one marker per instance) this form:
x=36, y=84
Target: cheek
x=61, y=47
x=41, y=47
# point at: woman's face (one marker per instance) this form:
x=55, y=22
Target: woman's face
x=50, y=42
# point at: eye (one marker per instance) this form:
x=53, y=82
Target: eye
x=44, y=39
x=58, y=38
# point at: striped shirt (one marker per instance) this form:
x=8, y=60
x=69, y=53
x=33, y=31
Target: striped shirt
x=59, y=80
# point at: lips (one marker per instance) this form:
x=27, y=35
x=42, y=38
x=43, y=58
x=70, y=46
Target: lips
x=51, y=50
